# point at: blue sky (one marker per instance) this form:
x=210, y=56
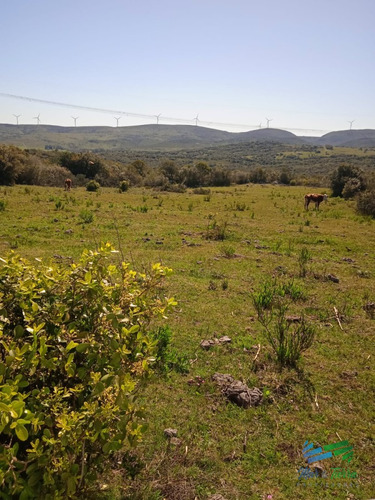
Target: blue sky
x=306, y=65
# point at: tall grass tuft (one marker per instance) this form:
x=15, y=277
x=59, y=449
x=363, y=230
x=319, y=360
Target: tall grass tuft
x=287, y=338
x=303, y=259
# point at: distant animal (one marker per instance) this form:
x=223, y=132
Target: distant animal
x=316, y=198
x=68, y=184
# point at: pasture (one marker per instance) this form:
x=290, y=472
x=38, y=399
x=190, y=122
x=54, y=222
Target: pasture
x=223, y=244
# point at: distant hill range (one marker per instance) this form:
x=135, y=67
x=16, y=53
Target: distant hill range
x=164, y=137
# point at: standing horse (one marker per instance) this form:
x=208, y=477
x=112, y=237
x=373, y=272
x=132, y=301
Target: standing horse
x=316, y=198
x=68, y=184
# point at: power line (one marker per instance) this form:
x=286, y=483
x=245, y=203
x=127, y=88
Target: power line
x=149, y=116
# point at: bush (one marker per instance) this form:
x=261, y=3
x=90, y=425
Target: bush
x=366, y=203
x=81, y=163
x=258, y=176
x=75, y=349
x=92, y=186
x=12, y=160
x=124, y=186
x=342, y=175
x=351, y=188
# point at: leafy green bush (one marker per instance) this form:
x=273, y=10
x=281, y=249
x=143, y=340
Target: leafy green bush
x=92, y=186
x=74, y=351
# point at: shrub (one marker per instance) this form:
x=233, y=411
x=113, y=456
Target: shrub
x=12, y=160
x=344, y=174
x=351, y=188
x=75, y=349
x=81, y=163
x=2, y=205
x=124, y=186
x=366, y=203
x=92, y=186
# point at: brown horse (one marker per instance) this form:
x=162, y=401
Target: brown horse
x=68, y=184
x=316, y=198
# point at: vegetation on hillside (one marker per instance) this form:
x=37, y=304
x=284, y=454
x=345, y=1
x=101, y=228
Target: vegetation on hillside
x=221, y=166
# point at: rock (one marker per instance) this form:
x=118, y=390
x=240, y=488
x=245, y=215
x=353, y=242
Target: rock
x=222, y=379
x=333, y=278
x=207, y=344
x=225, y=340
x=369, y=308
x=293, y=319
x=170, y=433
x=237, y=392
x=240, y=394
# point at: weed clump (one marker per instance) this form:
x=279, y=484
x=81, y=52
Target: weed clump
x=288, y=336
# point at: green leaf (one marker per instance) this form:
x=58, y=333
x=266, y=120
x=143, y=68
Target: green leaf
x=19, y=331
x=4, y=407
x=71, y=345
x=82, y=347
x=22, y=432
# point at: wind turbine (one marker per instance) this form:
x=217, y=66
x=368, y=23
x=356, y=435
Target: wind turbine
x=351, y=123
x=75, y=118
x=37, y=118
x=117, y=118
x=260, y=125
x=17, y=116
x=157, y=118
x=196, y=120
x=268, y=122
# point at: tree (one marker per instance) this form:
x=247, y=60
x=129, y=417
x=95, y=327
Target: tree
x=81, y=163
x=344, y=174
x=258, y=176
x=170, y=170
x=12, y=160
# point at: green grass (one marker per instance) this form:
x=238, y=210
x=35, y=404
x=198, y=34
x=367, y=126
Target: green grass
x=242, y=454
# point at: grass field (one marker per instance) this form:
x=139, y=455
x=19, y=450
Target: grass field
x=222, y=245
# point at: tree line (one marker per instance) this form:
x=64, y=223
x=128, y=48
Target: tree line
x=44, y=168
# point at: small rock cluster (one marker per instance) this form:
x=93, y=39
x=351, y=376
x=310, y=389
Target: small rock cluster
x=237, y=392
x=207, y=344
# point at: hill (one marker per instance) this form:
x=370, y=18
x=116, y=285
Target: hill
x=350, y=138
x=163, y=137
